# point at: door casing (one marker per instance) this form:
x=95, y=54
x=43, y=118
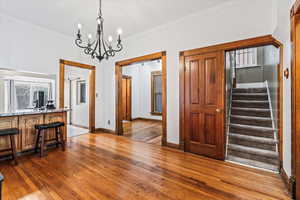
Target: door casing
x=92, y=88
x=118, y=77
x=295, y=40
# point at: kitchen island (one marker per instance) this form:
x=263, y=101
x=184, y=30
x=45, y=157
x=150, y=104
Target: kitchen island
x=25, y=122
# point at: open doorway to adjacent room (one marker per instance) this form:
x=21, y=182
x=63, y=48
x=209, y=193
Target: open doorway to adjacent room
x=76, y=100
x=77, y=93
x=141, y=99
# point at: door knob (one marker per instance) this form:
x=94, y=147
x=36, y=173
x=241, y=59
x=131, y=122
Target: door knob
x=218, y=110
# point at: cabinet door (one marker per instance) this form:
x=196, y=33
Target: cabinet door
x=55, y=117
x=5, y=123
x=27, y=123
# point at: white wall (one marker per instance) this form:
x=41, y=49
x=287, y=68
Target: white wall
x=141, y=88
x=28, y=47
x=228, y=22
x=2, y=93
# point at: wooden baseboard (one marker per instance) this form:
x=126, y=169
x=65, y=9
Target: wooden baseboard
x=289, y=182
x=105, y=130
x=172, y=145
x=146, y=119
x=79, y=126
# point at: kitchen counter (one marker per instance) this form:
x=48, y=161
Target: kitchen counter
x=31, y=112
x=25, y=122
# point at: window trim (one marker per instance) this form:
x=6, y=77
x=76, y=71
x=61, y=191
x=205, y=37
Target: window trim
x=153, y=101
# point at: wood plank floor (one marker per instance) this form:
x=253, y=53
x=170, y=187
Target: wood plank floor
x=143, y=131
x=108, y=167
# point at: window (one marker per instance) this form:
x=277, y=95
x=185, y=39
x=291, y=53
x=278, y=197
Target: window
x=81, y=92
x=246, y=57
x=156, y=92
x=28, y=95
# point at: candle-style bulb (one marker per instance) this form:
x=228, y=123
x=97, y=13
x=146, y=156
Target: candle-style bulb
x=119, y=31
x=110, y=39
x=79, y=26
x=90, y=36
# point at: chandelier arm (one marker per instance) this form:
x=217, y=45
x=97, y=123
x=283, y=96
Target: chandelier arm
x=106, y=52
x=94, y=51
x=119, y=48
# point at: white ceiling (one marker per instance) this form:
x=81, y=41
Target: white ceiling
x=133, y=16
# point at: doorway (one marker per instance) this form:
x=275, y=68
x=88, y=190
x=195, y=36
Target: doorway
x=77, y=92
x=203, y=97
x=76, y=100
x=252, y=107
x=142, y=101
x=141, y=109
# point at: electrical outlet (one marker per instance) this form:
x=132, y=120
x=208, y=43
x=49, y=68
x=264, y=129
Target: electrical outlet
x=108, y=122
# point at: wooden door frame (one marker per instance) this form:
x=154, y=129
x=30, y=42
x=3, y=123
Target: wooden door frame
x=118, y=78
x=92, y=88
x=247, y=43
x=130, y=78
x=295, y=63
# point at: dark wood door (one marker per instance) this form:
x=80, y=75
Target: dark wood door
x=126, y=97
x=204, y=105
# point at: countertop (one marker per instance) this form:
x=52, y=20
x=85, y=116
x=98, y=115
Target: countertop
x=32, y=112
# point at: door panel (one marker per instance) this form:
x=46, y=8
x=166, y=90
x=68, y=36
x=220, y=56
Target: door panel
x=126, y=98
x=204, y=105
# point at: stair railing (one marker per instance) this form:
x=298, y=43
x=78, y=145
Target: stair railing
x=272, y=116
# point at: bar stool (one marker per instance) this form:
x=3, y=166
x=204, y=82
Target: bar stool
x=41, y=131
x=11, y=132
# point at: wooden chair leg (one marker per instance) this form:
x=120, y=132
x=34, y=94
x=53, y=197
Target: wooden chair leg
x=37, y=141
x=56, y=135
x=42, y=144
x=62, y=140
x=13, y=148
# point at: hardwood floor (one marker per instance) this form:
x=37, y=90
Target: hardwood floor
x=108, y=167
x=147, y=131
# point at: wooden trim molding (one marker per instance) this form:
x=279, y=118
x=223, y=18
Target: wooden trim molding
x=247, y=43
x=79, y=126
x=77, y=64
x=146, y=119
x=173, y=145
x=252, y=42
x=289, y=182
x=295, y=79
x=92, y=88
x=103, y=130
x=118, y=79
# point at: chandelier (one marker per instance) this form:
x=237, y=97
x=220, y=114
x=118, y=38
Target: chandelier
x=99, y=48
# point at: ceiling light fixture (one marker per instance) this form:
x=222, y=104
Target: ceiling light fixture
x=99, y=48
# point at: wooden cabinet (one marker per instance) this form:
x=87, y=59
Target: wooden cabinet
x=28, y=133
x=25, y=123
x=55, y=117
x=5, y=123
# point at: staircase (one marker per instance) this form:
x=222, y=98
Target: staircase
x=251, y=137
